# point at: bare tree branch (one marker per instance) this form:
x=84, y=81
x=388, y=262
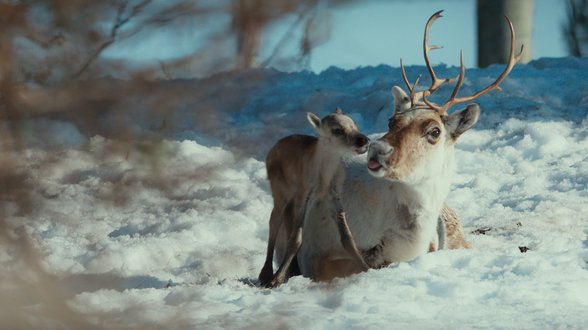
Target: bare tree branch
x=119, y=22
x=286, y=37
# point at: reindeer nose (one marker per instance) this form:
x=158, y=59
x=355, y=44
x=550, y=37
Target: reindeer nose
x=380, y=148
x=361, y=140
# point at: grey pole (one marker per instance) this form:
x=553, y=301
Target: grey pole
x=493, y=32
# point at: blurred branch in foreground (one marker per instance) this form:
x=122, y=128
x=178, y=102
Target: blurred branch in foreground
x=250, y=19
x=59, y=88
x=28, y=290
x=50, y=42
x=48, y=47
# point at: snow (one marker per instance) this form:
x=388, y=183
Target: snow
x=171, y=234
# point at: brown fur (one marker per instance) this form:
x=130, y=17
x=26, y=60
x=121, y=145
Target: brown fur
x=454, y=236
x=405, y=136
x=330, y=268
x=283, y=163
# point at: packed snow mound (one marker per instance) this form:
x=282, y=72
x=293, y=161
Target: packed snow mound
x=247, y=112
x=172, y=233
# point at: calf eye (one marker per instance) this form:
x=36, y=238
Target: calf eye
x=337, y=131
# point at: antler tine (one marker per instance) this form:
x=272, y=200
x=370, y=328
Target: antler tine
x=435, y=81
x=414, y=96
x=431, y=105
x=520, y=55
x=443, y=109
x=460, y=77
x=512, y=60
x=405, y=78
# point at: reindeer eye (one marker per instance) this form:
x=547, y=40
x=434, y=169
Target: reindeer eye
x=435, y=132
x=337, y=131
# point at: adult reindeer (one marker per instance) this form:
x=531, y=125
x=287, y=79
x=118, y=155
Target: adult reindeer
x=393, y=206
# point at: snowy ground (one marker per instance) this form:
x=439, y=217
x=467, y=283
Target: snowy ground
x=169, y=234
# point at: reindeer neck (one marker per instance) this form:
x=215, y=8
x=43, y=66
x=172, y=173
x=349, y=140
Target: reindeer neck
x=432, y=194
x=430, y=191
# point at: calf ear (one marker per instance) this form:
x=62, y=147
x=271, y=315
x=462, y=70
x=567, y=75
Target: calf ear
x=401, y=100
x=462, y=120
x=314, y=120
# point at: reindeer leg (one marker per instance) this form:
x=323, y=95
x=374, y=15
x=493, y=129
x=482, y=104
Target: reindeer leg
x=441, y=233
x=267, y=271
x=294, y=244
x=454, y=236
x=346, y=237
x=373, y=256
x=295, y=217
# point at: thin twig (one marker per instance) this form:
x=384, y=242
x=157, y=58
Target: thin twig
x=286, y=37
x=119, y=22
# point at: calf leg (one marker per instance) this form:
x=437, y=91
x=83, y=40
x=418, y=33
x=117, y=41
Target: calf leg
x=267, y=271
x=294, y=220
x=348, y=242
x=346, y=237
x=294, y=243
x=373, y=257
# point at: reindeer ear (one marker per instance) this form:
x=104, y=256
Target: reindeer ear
x=462, y=120
x=314, y=120
x=401, y=100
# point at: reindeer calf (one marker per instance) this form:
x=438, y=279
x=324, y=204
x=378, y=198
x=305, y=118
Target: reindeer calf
x=301, y=166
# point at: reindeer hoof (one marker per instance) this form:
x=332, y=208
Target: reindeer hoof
x=275, y=283
x=265, y=276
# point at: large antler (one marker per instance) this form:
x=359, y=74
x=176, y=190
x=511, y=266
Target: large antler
x=436, y=82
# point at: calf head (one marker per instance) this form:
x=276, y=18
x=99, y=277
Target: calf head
x=340, y=132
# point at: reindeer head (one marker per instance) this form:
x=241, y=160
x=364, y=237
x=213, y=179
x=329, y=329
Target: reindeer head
x=421, y=134
x=340, y=131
